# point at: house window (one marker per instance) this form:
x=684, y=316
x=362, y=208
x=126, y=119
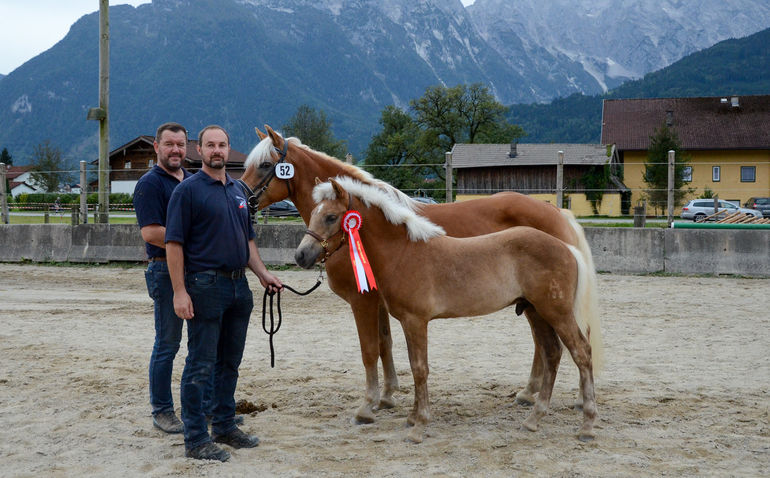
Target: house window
x=687, y=174
x=127, y=165
x=748, y=174
x=151, y=163
x=716, y=172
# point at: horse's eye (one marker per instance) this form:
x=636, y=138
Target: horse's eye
x=331, y=219
x=265, y=165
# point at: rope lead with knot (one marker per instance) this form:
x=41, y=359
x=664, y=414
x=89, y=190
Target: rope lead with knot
x=273, y=326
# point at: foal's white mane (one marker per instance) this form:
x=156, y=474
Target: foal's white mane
x=397, y=207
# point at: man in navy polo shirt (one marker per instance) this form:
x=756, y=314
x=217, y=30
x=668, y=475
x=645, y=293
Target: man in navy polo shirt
x=209, y=242
x=151, y=196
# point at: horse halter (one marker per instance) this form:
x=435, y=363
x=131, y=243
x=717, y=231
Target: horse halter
x=325, y=242
x=260, y=188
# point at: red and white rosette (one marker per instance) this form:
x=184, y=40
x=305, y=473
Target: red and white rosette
x=351, y=223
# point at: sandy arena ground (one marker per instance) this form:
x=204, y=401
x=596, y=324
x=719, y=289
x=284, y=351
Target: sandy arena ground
x=685, y=391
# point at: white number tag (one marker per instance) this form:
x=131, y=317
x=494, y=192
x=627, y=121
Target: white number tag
x=284, y=171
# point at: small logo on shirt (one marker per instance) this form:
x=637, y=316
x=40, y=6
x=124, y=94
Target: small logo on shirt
x=241, y=202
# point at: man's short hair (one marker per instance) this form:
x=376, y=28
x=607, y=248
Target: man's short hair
x=212, y=126
x=171, y=126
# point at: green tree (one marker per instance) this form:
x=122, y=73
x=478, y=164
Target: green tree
x=663, y=140
x=595, y=180
x=394, y=155
x=314, y=130
x=439, y=119
x=48, y=169
x=5, y=157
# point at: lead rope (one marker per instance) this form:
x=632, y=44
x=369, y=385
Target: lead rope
x=273, y=327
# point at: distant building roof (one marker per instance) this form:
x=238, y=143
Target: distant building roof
x=720, y=122
x=13, y=172
x=466, y=155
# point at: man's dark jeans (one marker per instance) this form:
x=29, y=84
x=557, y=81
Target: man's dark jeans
x=168, y=334
x=216, y=336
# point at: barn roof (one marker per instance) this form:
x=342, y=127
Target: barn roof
x=726, y=122
x=466, y=155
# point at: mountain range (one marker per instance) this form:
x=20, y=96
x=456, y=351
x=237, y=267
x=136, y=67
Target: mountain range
x=243, y=63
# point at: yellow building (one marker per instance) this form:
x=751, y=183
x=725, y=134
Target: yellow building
x=726, y=138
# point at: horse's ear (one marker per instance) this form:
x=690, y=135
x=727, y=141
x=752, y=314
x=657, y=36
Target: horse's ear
x=339, y=191
x=274, y=137
x=318, y=180
x=260, y=133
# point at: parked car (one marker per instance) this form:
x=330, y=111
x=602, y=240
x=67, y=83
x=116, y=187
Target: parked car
x=284, y=208
x=760, y=204
x=699, y=209
x=424, y=199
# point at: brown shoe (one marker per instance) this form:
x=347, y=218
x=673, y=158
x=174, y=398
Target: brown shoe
x=168, y=422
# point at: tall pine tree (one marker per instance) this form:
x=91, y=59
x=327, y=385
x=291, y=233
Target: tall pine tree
x=663, y=140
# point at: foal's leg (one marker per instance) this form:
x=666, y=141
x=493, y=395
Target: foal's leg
x=365, y=308
x=390, y=378
x=550, y=357
x=416, y=333
x=526, y=397
x=580, y=349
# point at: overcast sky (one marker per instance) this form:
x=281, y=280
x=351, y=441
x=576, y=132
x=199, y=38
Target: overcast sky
x=30, y=27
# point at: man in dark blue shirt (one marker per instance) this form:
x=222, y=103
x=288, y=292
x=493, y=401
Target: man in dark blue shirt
x=209, y=242
x=151, y=196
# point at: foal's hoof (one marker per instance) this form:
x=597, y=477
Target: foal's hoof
x=586, y=436
x=363, y=416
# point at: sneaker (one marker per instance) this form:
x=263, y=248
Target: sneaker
x=207, y=451
x=238, y=419
x=168, y=422
x=237, y=439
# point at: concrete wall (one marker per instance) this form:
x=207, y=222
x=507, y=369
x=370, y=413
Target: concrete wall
x=615, y=249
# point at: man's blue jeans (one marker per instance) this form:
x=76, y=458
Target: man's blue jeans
x=216, y=336
x=168, y=334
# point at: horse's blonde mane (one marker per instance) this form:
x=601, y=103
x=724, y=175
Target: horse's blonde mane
x=397, y=207
x=262, y=152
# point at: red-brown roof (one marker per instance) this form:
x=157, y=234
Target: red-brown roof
x=15, y=171
x=727, y=122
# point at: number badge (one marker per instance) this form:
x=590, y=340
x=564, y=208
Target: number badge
x=284, y=171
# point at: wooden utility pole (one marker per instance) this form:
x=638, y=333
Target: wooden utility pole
x=101, y=113
x=560, y=180
x=448, y=167
x=3, y=196
x=670, y=197
x=83, y=194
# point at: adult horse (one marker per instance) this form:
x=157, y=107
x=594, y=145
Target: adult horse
x=461, y=219
x=422, y=274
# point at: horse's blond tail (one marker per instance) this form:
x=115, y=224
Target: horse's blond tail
x=586, y=306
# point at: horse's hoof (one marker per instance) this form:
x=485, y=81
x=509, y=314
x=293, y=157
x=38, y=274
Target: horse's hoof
x=525, y=399
x=586, y=437
x=386, y=402
x=415, y=435
x=578, y=405
x=530, y=424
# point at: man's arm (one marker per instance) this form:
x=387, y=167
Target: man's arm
x=182, y=303
x=266, y=278
x=154, y=234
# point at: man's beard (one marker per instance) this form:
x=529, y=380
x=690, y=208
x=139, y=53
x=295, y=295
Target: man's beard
x=220, y=164
x=166, y=162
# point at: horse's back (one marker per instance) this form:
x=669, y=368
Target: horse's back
x=497, y=212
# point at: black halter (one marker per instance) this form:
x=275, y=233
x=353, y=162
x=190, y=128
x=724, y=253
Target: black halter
x=253, y=198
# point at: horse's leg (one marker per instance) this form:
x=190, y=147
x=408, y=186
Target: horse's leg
x=365, y=312
x=416, y=333
x=550, y=357
x=390, y=378
x=526, y=397
x=580, y=349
